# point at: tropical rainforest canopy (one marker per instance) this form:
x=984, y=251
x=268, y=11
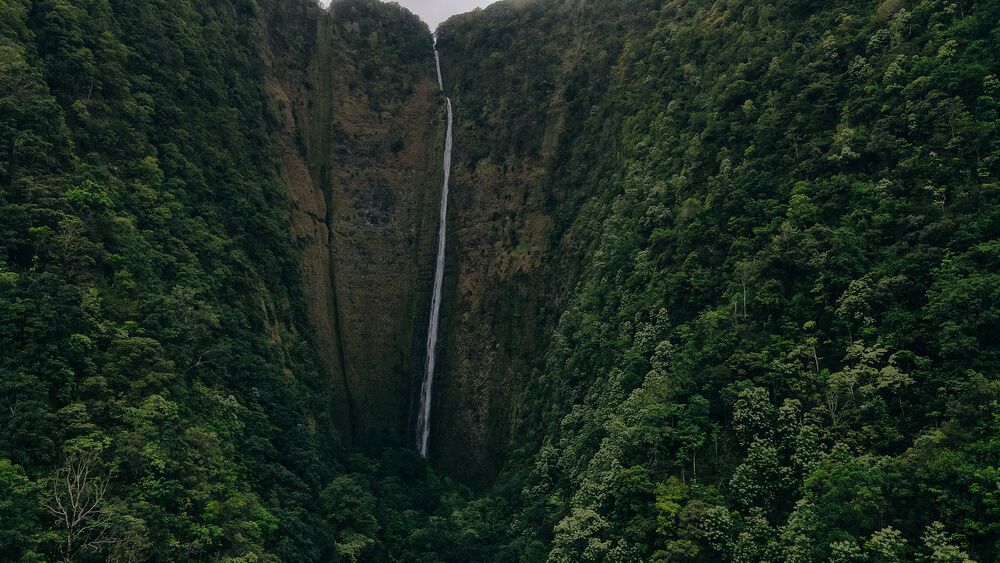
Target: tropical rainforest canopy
x=724, y=281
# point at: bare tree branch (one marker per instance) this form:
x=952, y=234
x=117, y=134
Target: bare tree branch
x=77, y=501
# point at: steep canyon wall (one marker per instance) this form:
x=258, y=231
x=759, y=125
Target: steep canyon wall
x=360, y=121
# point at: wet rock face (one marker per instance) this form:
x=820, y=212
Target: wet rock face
x=507, y=268
x=377, y=206
x=361, y=168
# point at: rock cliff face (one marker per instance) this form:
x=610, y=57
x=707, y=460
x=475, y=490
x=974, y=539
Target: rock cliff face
x=722, y=280
x=521, y=96
x=359, y=124
x=360, y=130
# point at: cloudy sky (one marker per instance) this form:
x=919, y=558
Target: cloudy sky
x=436, y=11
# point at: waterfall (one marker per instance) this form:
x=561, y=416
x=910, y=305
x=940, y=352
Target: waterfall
x=437, y=63
x=424, y=416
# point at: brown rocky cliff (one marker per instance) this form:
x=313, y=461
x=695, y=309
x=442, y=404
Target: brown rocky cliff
x=360, y=159
x=361, y=135
x=510, y=250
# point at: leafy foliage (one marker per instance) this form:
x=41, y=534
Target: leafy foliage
x=152, y=321
x=775, y=285
x=776, y=240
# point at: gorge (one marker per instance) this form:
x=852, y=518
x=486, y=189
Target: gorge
x=633, y=280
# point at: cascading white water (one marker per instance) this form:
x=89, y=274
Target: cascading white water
x=437, y=63
x=424, y=415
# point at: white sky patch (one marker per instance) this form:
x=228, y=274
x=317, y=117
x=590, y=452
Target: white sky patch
x=436, y=11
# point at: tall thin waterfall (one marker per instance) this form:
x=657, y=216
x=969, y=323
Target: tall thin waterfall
x=424, y=416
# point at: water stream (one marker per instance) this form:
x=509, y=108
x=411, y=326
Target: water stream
x=426, y=388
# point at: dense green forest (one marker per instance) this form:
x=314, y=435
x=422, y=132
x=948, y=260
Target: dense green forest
x=759, y=256
x=776, y=248
x=160, y=395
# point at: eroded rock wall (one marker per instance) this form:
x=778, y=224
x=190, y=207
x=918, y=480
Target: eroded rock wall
x=515, y=90
x=359, y=123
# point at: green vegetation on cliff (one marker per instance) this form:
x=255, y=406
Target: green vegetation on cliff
x=774, y=229
x=161, y=396
x=725, y=281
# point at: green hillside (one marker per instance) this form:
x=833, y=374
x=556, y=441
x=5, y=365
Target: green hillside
x=722, y=281
x=157, y=362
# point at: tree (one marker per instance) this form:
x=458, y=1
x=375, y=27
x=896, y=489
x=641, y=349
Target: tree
x=887, y=546
x=77, y=501
x=18, y=511
x=580, y=536
x=940, y=547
